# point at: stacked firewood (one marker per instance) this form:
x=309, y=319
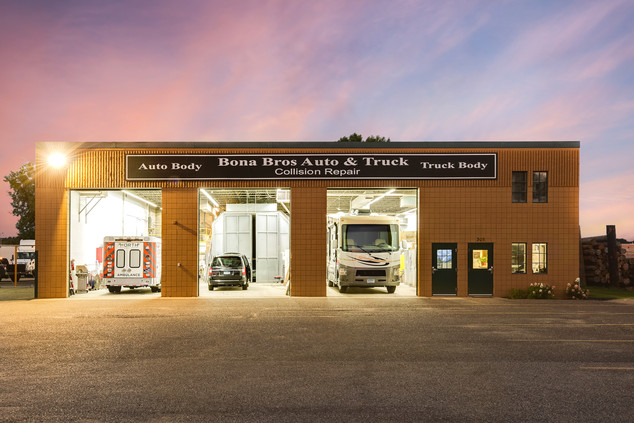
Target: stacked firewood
x=597, y=266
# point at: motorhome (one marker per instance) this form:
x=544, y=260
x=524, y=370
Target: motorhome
x=364, y=251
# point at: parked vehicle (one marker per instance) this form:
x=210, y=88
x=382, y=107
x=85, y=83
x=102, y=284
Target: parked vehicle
x=7, y=269
x=3, y=267
x=26, y=256
x=131, y=262
x=229, y=269
x=364, y=251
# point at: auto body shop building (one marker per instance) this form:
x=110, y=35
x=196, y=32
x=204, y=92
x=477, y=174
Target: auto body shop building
x=476, y=218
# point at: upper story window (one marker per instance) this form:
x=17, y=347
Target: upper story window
x=540, y=187
x=519, y=187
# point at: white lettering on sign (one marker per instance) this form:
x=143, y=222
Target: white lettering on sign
x=371, y=161
x=143, y=166
x=320, y=162
x=478, y=165
x=447, y=165
x=450, y=165
x=187, y=166
x=268, y=161
x=223, y=161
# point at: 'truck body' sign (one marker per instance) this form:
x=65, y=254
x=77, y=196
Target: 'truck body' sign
x=143, y=167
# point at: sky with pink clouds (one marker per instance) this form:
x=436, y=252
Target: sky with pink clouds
x=256, y=70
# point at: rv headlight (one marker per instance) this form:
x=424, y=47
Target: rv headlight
x=343, y=270
x=396, y=271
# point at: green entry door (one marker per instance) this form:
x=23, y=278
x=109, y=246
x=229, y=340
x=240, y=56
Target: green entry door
x=480, y=271
x=444, y=280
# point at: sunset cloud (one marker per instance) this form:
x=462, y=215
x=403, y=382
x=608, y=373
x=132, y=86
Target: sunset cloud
x=158, y=70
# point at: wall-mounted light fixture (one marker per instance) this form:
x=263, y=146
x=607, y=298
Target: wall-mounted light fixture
x=57, y=160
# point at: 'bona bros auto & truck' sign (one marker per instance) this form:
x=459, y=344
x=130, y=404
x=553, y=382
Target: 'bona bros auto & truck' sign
x=144, y=167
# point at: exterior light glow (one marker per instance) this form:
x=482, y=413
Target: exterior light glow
x=57, y=160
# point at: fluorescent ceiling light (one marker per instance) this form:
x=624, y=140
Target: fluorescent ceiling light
x=367, y=206
x=214, y=202
x=139, y=198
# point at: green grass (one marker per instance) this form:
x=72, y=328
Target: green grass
x=608, y=293
x=16, y=293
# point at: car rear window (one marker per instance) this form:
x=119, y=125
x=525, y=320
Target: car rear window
x=227, y=262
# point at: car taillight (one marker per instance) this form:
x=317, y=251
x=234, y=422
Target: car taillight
x=244, y=270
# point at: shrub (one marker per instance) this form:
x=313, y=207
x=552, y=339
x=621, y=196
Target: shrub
x=576, y=292
x=541, y=291
x=518, y=294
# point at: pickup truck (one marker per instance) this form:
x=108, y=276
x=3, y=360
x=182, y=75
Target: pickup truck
x=7, y=269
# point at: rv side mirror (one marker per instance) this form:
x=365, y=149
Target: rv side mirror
x=404, y=245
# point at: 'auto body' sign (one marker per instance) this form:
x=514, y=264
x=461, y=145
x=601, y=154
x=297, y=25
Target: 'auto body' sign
x=142, y=167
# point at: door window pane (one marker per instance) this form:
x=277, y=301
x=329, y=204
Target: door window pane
x=540, y=256
x=444, y=259
x=120, y=258
x=480, y=259
x=135, y=259
x=518, y=257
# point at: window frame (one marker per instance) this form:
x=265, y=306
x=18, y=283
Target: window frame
x=542, y=258
x=523, y=193
x=519, y=270
x=540, y=186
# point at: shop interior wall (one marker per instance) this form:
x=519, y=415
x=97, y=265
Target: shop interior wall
x=114, y=215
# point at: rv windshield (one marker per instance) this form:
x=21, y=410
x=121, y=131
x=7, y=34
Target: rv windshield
x=26, y=255
x=370, y=238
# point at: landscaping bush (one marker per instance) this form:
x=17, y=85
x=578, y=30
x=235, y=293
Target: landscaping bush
x=576, y=292
x=541, y=291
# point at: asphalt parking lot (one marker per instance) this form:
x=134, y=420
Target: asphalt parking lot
x=352, y=358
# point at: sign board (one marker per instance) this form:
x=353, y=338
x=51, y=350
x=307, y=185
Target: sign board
x=174, y=167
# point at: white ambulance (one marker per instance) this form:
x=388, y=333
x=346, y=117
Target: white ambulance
x=131, y=262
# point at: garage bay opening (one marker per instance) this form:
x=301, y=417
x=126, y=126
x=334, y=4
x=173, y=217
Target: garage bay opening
x=115, y=241
x=244, y=240
x=372, y=235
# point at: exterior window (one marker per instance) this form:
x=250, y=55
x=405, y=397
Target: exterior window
x=518, y=257
x=519, y=187
x=540, y=258
x=540, y=187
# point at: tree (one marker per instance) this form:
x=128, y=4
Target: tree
x=354, y=137
x=23, y=199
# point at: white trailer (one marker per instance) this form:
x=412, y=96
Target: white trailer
x=131, y=262
x=364, y=251
x=23, y=255
x=26, y=255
